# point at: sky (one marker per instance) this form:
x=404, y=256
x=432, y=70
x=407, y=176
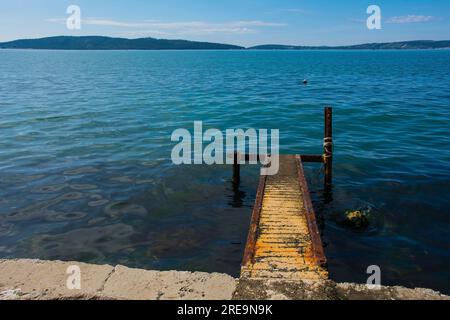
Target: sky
x=240, y=22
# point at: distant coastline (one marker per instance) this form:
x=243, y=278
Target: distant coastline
x=108, y=43
x=402, y=45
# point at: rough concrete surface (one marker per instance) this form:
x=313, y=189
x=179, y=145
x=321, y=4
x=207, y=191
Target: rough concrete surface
x=126, y=283
x=248, y=289
x=46, y=280
x=35, y=279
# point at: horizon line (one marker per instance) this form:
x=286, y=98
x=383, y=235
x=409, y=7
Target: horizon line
x=244, y=47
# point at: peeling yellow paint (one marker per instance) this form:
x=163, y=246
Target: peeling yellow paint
x=283, y=248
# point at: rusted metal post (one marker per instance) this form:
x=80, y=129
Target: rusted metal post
x=236, y=170
x=328, y=147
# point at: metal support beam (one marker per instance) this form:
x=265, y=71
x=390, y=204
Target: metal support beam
x=236, y=169
x=326, y=158
x=328, y=147
x=312, y=158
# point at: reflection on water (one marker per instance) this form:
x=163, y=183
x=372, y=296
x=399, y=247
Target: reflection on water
x=85, y=147
x=407, y=260
x=170, y=220
x=238, y=196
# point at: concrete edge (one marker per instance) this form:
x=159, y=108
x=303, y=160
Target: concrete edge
x=28, y=279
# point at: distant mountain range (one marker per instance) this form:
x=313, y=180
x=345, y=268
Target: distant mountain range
x=107, y=43
x=419, y=44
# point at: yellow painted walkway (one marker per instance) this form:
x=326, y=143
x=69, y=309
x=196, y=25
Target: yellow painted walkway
x=284, y=242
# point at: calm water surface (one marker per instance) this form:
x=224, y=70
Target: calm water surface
x=85, y=171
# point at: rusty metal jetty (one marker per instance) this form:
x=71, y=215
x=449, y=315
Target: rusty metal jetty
x=284, y=240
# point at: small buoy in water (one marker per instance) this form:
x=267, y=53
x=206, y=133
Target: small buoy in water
x=305, y=81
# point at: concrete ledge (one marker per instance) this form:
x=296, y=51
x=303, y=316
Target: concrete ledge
x=126, y=283
x=248, y=289
x=35, y=279
x=46, y=280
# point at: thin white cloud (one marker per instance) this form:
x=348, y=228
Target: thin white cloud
x=144, y=33
x=288, y=11
x=56, y=20
x=410, y=19
x=293, y=10
x=357, y=20
x=189, y=27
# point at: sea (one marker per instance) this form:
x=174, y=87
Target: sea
x=86, y=171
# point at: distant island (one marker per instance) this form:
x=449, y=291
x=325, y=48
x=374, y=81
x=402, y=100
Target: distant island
x=403, y=45
x=108, y=43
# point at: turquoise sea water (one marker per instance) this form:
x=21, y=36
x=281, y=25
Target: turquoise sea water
x=85, y=171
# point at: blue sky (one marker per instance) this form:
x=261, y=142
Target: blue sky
x=242, y=22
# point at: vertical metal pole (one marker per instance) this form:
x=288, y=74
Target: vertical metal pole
x=236, y=170
x=328, y=147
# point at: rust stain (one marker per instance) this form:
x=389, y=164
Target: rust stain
x=284, y=242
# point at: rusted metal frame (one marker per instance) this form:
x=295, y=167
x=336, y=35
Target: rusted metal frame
x=250, y=246
x=236, y=169
x=261, y=158
x=328, y=147
x=317, y=246
x=312, y=158
x=256, y=157
x=326, y=158
x=237, y=157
